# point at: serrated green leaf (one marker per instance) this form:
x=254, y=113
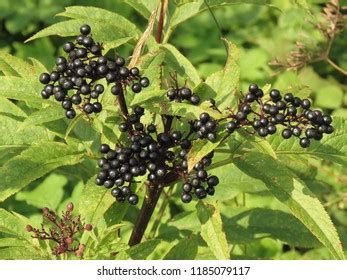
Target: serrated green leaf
x=232, y=181
x=13, y=242
x=109, y=234
x=94, y=202
x=140, y=251
x=148, y=95
x=22, y=253
x=88, y=13
x=144, y=7
x=72, y=125
x=44, y=115
x=13, y=225
x=293, y=193
x=106, y=26
x=20, y=66
x=116, y=43
x=13, y=135
x=48, y=194
x=332, y=147
x=261, y=144
x=180, y=63
x=33, y=163
x=246, y=225
x=225, y=83
x=8, y=107
x=151, y=65
x=39, y=68
x=21, y=89
x=6, y=69
x=185, y=249
x=212, y=230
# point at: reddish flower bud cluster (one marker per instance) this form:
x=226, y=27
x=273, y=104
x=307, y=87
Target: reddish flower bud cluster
x=64, y=231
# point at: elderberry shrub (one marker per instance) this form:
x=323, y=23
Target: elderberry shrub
x=160, y=155
x=264, y=115
x=75, y=81
x=64, y=231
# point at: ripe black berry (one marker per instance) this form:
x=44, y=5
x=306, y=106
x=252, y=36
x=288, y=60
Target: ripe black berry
x=288, y=97
x=253, y=88
x=204, y=117
x=200, y=193
x=231, y=126
x=304, y=142
x=88, y=108
x=186, y=197
x=134, y=71
x=263, y=132
x=68, y=47
x=97, y=107
x=45, y=78
x=212, y=181
x=144, y=82
x=187, y=187
x=123, y=127
x=286, y=133
x=296, y=131
x=136, y=88
x=210, y=191
x=70, y=114
x=185, y=93
x=66, y=104
x=306, y=104
x=116, y=192
x=104, y=148
x=85, y=29
x=194, y=99
x=275, y=95
x=133, y=199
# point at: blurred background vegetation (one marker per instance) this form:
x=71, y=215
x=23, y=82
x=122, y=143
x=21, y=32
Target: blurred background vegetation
x=262, y=33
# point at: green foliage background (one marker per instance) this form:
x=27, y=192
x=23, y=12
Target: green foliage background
x=265, y=206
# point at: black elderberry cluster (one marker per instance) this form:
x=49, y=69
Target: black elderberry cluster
x=182, y=93
x=147, y=151
x=206, y=127
x=158, y=155
x=195, y=181
x=293, y=113
x=75, y=80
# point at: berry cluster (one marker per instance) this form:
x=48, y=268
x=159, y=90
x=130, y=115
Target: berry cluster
x=182, y=93
x=75, y=80
x=194, y=183
x=149, y=152
x=291, y=112
x=62, y=231
x=206, y=127
x=144, y=153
